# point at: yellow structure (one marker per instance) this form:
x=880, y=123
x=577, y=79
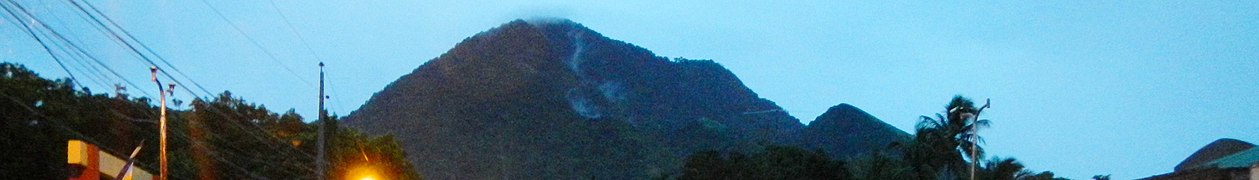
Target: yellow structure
x=88, y=162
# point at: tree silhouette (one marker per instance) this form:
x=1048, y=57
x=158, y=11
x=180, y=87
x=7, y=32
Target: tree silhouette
x=941, y=143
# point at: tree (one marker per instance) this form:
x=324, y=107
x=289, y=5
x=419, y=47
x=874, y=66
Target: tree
x=706, y=165
x=1003, y=169
x=352, y=153
x=879, y=166
x=940, y=142
x=222, y=138
x=776, y=162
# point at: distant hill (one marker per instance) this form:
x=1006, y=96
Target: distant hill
x=1215, y=150
x=552, y=99
x=845, y=131
x=1225, y=158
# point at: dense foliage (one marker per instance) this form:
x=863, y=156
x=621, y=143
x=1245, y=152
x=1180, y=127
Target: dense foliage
x=775, y=162
x=221, y=138
x=939, y=150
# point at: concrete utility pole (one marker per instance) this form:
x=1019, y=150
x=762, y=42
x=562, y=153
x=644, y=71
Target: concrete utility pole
x=320, y=163
x=162, y=123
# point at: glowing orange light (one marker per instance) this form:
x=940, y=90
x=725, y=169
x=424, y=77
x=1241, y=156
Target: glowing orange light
x=364, y=172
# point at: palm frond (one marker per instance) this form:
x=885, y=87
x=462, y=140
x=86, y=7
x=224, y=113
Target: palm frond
x=943, y=120
x=983, y=123
x=926, y=122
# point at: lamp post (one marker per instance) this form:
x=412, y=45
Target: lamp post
x=162, y=122
x=975, y=134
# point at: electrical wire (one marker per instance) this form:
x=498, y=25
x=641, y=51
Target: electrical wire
x=216, y=110
x=185, y=87
x=41, y=41
x=295, y=32
x=255, y=42
x=78, y=48
x=133, y=38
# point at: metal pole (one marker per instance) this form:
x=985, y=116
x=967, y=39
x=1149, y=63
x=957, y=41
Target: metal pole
x=162, y=123
x=321, y=162
x=975, y=134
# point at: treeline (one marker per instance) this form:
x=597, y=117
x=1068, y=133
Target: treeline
x=940, y=149
x=223, y=137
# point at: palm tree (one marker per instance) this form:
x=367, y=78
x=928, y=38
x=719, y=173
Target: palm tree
x=878, y=166
x=940, y=141
x=1004, y=169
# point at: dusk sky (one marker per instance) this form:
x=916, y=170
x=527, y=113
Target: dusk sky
x=1079, y=88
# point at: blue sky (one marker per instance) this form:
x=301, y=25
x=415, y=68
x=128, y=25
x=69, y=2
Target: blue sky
x=1078, y=87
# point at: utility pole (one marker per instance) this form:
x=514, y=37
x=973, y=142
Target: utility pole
x=973, y=161
x=975, y=133
x=321, y=162
x=162, y=123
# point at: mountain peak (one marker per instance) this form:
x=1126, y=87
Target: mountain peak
x=845, y=130
x=546, y=94
x=842, y=112
x=845, y=108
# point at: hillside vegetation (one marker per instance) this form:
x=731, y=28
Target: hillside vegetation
x=223, y=137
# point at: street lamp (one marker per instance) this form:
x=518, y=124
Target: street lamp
x=162, y=122
x=363, y=172
x=975, y=134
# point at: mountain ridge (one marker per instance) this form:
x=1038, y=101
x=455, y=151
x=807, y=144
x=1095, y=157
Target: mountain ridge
x=554, y=99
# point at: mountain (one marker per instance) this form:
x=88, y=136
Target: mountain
x=552, y=99
x=845, y=131
x=1215, y=150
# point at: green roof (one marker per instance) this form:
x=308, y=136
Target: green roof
x=1243, y=159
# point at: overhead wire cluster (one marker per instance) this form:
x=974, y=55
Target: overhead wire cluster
x=65, y=51
x=12, y=8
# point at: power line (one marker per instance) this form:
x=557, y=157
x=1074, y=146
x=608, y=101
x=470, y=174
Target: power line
x=41, y=41
x=215, y=109
x=213, y=150
x=178, y=82
x=305, y=44
x=128, y=34
x=83, y=67
x=255, y=42
x=128, y=45
x=334, y=94
x=116, y=37
x=50, y=120
x=76, y=47
x=93, y=74
x=238, y=153
x=134, y=39
x=294, y=30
